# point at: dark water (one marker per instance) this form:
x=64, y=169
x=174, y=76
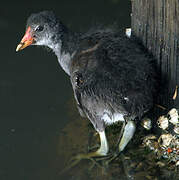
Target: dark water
x=36, y=99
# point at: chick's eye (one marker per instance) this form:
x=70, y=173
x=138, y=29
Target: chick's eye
x=39, y=28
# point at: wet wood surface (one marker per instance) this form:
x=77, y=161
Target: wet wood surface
x=156, y=23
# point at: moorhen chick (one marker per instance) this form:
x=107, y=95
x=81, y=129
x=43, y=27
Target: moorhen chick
x=112, y=76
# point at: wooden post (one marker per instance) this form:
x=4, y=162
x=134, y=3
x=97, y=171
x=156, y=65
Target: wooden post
x=156, y=23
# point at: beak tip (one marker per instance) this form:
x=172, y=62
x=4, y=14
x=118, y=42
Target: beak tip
x=18, y=47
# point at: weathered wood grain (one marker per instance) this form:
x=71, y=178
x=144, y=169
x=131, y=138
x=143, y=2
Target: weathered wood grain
x=156, y=23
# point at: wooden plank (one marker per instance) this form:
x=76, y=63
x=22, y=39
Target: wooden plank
x=156, y=24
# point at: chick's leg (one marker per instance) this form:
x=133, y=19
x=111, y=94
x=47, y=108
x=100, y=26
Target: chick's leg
x=128, y=133
x=102, y=151
x=104, y=148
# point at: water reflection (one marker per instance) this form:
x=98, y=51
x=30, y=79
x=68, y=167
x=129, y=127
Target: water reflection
x=135, y=163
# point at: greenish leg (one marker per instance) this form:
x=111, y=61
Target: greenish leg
x=128, y=133
x=102, y=151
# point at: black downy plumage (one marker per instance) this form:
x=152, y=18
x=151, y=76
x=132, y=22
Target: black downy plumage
x=112, y=76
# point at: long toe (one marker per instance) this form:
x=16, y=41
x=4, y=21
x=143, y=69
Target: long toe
x=92, y=156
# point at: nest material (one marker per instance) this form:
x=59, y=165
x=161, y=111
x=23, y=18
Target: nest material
x=167, y=145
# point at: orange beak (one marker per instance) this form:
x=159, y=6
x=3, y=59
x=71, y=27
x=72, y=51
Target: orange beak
x=27, y=40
